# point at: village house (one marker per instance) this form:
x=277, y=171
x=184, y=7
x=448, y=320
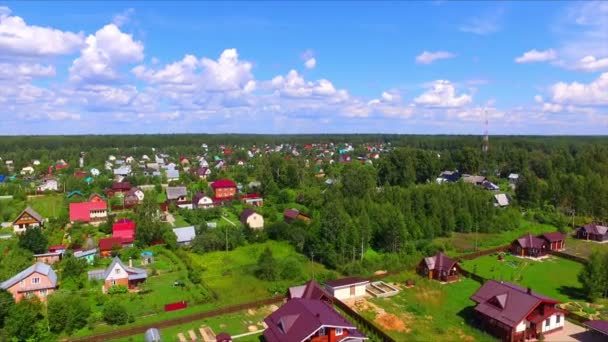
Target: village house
x=501, y=200
x=48, y=258
x=600, y=327
x=88, y=255
x=38, y=280
x=448, y=176
x=301, y=320
x=202, y=172
x=176, y=193
x=556, y=241
x=529, y=246
x=48, y=185
x=202, y=201
x=292, y=214
x=134, y=196
x=93, y=212
x=28, y=218
x=439, y=267
x=117, y=187
x=593, y=232
x=119, y=274
x=347, y=288
x=252, y=219
x=107, y=245
x=513, y=313
x=184, y=235
x=28, y=170
x=255, y=200
x=124, y=229
x=224, y=189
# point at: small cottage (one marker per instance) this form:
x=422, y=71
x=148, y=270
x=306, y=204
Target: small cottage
x=347, y=288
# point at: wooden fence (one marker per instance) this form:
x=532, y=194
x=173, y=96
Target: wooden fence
x=477, y=254
x=141, y=329
x=569, y=257
x=369, y=326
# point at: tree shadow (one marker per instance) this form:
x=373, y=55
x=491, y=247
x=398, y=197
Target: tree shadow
x=575, y=293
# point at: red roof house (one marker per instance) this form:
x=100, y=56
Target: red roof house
x=224, y=188
x=107, y=244
x=124, y=230
x=513, y=313
x=301, y=320
x=556, y=241
x=89, y=212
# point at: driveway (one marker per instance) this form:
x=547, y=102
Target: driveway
x=574, y=333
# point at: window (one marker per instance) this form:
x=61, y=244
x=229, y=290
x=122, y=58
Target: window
x=43, y=292
x=113, y=282
x=548, y=322
x=338, y=331
x=117, y=271
x=322, y=331
x=36, y=280
x=558, y=318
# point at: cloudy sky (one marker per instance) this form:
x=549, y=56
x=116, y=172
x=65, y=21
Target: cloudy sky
x=272, y=67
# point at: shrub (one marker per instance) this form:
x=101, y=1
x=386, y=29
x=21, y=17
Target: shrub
x=118, y=289
x=115, y=313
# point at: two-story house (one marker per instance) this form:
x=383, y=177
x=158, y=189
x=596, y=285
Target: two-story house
x=28, y=218
x=224, y=189
x=37, y=280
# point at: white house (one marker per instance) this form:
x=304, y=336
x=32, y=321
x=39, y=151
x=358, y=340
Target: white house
x=252, y=219
x=95, y=172
x=49, y=185
x=347, y=288
x=202, y=201
x=184, y=235
x=28, y=170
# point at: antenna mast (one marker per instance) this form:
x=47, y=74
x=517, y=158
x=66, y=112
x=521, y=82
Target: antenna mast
x=486, y=141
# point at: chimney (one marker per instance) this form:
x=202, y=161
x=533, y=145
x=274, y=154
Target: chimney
x=131, y=265
x=529, y=290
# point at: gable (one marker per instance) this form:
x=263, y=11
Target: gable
x=117, y=272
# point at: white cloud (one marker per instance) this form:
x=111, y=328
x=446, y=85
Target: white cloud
x=538, y=99
x=17, y=38
x=429, y=57
x=105, y=51
x=170, y=116
x=477, y=114
x=590, y=63
x=485, y=23
x=124, y=17
x=23, y=71
x=442, y=94
x=311, y=63
x=591, y=94
x=537, y=56
x=552, y=107
x=294, y=85
x=63, y=116
x=227, y=73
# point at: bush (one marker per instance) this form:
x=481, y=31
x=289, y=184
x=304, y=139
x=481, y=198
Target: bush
x=291, y=269
x=118, y=289
x=115, y=313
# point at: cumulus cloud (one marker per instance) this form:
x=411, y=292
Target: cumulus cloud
x=477, y=114
x=310, y=63
x=537, y=56
x=24, y=71
x=293, y=85
x=538, y=99
x=442, y=94
x=19, y=39
x=591, y=64
x=591, y=94
x=552, y=107
x=227, y=73
x=429, y=57
x=104, y=53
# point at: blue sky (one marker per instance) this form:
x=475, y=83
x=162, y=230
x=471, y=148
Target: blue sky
x=290, y=67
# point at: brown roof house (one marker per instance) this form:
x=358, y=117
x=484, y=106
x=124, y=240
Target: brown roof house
x=513, y=313
x=28, y=218
x=313, y=320
x=439, y=267
x=294, y=214
x=556, y=241
x=529, y=246
x=347, y=288
x=310, y=290
x=593, y=232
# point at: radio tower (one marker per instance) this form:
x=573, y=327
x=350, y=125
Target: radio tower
x=486, y=142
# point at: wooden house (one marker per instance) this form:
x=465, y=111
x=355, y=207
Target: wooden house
x=347, y=288
x=439, y=267
x=556, y=241
x=119, y=274
x=529, y=246
x=593, y=232
x=28, y=218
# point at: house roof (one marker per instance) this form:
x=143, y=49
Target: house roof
x=473, y=179
x=121, y=186
x=174, y=192
x=598, y=325
x=223, y=183
x=185, y=234
x=346, y=282
x=30, y=212
x=531, y=241
x=80, y=254
x=298, y=319
x=507, y=303
x=133, y=272
x=124, y=229
x=291, y=213
x=106, y=244
x=439, y=262
x=245, y=214
x=172, y=173
x=38, y=267
x=502, y=199
x=73, y=193
x=310, y=290
x=553, y=236
x=82, y=211
x=594, y=228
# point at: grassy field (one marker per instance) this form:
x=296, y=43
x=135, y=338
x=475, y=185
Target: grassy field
x=49, y=205
x=231, y=274
x=583, y=248
x=427, y=312
x=233, y=324
x=554, y=277
x=465, y=242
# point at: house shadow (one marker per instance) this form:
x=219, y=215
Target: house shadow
x=588, y=336
x=468, y=315
x=576, y=293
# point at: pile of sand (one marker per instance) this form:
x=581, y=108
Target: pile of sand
x=391, y=322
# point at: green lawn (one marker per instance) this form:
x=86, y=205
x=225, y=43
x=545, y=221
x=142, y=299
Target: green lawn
x=231, y=274
x=584, y=248
x=234, y=324
x=49, y=205
x=427, y=312
x=463, y=243
x=554, y=277
x=180, y=221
